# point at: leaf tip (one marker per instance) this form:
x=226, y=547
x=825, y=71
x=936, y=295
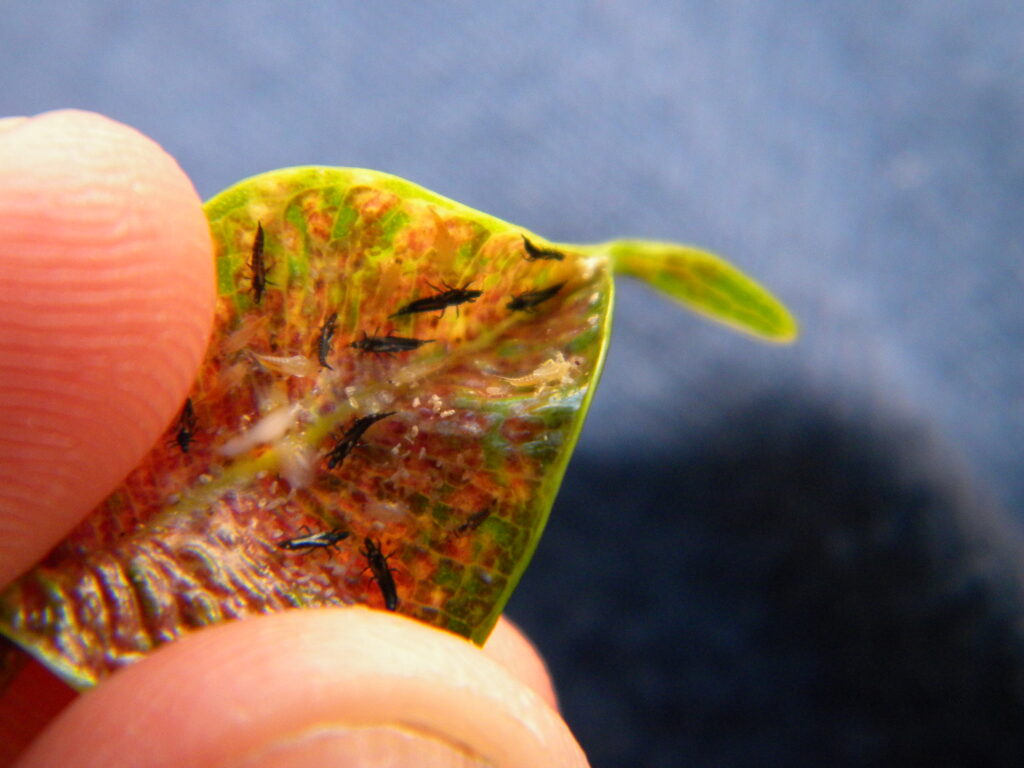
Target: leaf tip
x=707, y=284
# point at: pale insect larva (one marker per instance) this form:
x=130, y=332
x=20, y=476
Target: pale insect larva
x=555, y=370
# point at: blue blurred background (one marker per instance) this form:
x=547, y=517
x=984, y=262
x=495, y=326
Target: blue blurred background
x=761, y=555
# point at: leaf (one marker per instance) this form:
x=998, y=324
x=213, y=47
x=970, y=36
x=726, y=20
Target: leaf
x=707, y=284
x=342, y=444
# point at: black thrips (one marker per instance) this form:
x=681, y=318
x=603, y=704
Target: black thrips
x=386, y=345
x=258, y=266
x=323, y=344
x=533, y=253
x=378, y=563
x=310, y=541
x=474, y=521
x=450, y=297
x=350, y=439
x=186, y=426
x=530, y=299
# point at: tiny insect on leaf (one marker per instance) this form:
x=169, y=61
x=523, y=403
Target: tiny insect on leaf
x=310, y=541
x=533, y=253
x=186, y=426
x=347, y=442
x=323, y=344
x=441, y=300
x=377, y=561
x=258, y=266
x=388, y=345
x=530, y=300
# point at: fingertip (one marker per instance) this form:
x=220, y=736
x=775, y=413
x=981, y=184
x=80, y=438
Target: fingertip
x=105, y=311
x=334, y=686
x=513, y=650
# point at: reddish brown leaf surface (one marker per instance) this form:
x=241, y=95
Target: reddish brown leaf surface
x=455, y=485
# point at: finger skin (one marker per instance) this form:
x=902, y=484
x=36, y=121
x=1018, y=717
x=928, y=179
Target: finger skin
x=508, y=646
x=105, y=310
x=36, y=696
x=281, y=689
x=27, y=705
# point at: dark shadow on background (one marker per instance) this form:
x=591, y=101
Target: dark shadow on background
x=805, y=588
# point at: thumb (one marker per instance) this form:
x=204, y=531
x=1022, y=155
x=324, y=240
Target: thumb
x=332, y=686
x=106, y=305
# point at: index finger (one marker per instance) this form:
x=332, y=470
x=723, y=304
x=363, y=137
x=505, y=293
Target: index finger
x=105, y=310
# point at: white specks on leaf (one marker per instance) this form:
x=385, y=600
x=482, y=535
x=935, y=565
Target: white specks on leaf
x=589, y=265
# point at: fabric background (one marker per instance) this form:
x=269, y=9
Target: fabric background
x=761, y=555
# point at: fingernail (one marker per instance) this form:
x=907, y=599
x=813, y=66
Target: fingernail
x=369, y=747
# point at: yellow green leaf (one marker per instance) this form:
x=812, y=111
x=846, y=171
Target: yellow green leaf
x=705, y=283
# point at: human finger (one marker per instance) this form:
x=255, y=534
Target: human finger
x=508, y=646
x=35, y=696
x=335, y=686
x=105, y=310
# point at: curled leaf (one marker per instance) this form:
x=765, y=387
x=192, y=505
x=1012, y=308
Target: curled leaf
x=392, y=393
